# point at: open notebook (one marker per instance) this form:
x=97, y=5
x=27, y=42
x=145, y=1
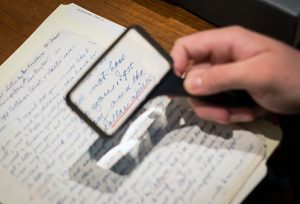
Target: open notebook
x=49, y=155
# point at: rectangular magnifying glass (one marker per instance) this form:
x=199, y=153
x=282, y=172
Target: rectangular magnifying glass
x=119, y=81
x=132, y=70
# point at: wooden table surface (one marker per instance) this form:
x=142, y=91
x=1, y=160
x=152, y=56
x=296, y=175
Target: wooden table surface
x=164, y=21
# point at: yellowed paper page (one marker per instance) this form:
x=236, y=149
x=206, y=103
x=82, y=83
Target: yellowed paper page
x=69, y=17
x=53, y=155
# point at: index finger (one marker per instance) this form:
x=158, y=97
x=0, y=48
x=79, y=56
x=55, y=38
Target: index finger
x=215, y=46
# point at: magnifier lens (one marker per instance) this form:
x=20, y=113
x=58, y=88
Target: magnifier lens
x=119, y=82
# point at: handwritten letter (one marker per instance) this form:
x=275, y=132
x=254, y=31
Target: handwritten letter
x=50, y=151
x=119, y=82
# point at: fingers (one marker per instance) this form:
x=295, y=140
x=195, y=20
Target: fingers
x=224, y=115
x=180, y=57
x=218, y=78
x=189, y=49
x=216, y=46
x=209, y=112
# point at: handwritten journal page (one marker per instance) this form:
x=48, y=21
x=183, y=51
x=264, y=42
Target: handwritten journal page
x=51, y=155
x=68, y=17
x=120, y=81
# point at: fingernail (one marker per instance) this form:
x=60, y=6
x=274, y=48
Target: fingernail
x=193, y=83
x=177, y=73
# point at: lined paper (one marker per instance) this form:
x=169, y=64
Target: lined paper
x=77, y=178
x=53, y=154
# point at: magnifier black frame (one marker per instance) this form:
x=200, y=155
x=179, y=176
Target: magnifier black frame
x=152, y=42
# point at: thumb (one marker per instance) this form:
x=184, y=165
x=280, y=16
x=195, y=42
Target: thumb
x=218, y=78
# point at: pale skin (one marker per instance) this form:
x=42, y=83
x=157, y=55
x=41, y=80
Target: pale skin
x=234, y=58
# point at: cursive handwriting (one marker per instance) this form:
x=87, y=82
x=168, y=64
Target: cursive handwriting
x=41, y=139
x=112, y=88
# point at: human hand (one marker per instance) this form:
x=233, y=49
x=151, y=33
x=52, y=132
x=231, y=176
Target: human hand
x=234, y=58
